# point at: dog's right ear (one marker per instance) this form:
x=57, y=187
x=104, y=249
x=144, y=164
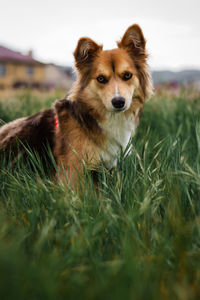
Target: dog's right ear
x=85, y=52
x=134, y=42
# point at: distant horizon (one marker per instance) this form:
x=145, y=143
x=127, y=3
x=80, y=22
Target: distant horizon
x=157, y=69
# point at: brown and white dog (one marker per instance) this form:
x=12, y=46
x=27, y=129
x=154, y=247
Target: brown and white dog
x=97, y=119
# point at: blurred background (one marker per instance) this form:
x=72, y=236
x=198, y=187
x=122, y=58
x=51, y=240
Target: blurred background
x=37, y=39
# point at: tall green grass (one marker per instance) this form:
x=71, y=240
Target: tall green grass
x=136, y=237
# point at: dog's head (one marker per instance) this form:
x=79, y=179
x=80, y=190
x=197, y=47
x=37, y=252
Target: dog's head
x=113, y=78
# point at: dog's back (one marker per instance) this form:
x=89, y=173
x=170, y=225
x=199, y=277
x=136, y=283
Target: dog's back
x=36, y=132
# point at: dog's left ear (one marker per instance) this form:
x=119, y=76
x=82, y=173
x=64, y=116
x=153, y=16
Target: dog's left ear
x=85, y=52
x=133, y=41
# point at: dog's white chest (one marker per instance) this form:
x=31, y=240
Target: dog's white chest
x=118, y=130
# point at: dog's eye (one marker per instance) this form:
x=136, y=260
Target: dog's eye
x=102, y=79
x=127, y=76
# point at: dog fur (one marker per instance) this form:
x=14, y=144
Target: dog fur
x=90, y=127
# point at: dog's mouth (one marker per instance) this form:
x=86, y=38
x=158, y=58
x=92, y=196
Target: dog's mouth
x=118, y=110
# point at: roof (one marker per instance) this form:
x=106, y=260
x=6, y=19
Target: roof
x=10, y=55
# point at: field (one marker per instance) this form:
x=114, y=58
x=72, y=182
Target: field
x=138, y=237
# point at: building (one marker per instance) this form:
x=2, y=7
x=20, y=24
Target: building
x=18, y=70
x=59, y=77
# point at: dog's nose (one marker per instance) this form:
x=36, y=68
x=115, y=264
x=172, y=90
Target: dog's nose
x=118, y=102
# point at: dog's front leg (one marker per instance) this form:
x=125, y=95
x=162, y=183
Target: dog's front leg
x=71, y=174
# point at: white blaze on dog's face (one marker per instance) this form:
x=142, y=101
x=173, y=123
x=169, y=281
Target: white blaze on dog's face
x=113, y=77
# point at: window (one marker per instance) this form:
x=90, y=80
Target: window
x=2, y=70
x=29, y=70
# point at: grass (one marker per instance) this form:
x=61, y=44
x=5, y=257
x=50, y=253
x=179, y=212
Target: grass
x=138, y=238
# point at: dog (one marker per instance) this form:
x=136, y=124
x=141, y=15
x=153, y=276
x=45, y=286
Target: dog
x=99, y=116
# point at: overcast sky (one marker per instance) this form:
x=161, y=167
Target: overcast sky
x=52, y=28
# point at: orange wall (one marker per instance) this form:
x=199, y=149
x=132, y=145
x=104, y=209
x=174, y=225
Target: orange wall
x=17, y=72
